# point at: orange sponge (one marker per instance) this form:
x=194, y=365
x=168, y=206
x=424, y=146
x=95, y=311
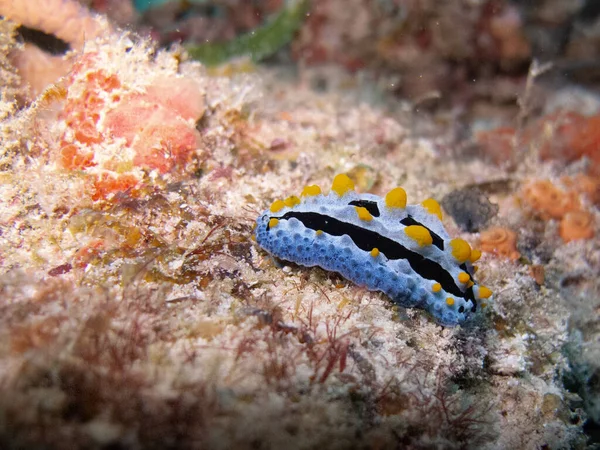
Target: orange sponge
x=106, y=185
x=160, y=138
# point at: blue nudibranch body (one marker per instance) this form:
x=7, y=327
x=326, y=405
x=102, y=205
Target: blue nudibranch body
x=381, y=243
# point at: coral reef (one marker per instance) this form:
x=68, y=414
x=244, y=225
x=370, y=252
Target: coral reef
x=136, y=311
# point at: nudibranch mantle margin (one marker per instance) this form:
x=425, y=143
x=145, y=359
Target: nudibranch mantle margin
x=380, y=243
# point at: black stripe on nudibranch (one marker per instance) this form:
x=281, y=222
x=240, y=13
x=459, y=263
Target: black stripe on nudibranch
x=469, y=294
x=367, y=240
x=437, y=240
x=369, y=205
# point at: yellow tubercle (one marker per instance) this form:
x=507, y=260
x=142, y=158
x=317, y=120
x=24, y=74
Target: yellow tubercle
x=319, y=232
x=396, y=198
x=449, y=301
x=310, y=191
x=342, y=184
x=461, y=250
x=484, y=292
x=291, y=201
x=273, y=223
x=419, y=234
x=437, y=287
x=277, y=206
x=363, y=213
x=432, y=207
x=375, y=252
x=475, y=255
x=463, y=277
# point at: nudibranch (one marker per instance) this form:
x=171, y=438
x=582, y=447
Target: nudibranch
x=380, y=243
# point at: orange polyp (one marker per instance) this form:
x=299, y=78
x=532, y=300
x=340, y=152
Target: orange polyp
x=576, y=225
x=549, y=201
x=500, y=241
